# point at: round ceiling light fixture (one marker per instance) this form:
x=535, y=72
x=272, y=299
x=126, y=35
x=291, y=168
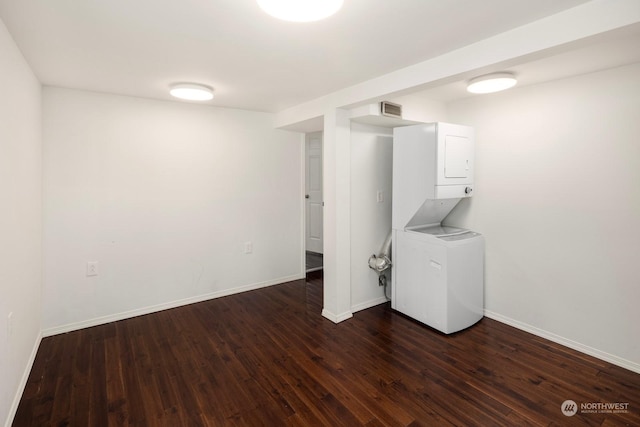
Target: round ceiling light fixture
x=300, y=10
x=191, y=91
x=493, y=82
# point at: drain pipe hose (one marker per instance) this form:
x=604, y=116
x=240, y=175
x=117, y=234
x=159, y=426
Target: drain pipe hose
x=382, y=261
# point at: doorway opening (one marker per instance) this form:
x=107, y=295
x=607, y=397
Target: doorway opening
x=313, y=202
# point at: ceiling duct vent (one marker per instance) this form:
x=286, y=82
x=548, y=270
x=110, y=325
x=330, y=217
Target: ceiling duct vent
x=391, y=110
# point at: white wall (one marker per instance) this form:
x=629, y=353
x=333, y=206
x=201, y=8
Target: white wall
x=418, y=108
x=336, y=220
x=558, y=200
x=163, y=195
x=371, y=170
x=20, y=223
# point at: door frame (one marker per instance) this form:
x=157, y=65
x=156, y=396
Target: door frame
x=314, y=137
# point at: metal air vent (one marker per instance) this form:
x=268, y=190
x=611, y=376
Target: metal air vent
x=391, y=110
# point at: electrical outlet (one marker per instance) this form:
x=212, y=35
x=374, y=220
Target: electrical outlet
x=380, y=196
x=92, y=268
x=248, y=247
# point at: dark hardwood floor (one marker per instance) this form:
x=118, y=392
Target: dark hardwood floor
x=267, y=358
x=313, y=261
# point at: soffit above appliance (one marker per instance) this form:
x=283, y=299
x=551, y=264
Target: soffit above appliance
x=381, y=114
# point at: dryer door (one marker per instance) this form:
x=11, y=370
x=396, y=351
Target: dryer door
x=455, y=155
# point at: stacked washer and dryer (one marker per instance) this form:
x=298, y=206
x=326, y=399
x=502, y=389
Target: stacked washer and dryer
x=438, y=271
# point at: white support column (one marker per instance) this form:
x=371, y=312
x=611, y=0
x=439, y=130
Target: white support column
x=337, y=216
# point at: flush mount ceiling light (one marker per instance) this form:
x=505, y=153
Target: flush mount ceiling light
x=300, y=10
x=489, y=83
x=191, y=91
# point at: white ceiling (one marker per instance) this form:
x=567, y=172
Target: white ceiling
x=255, y=62
x=613, y=49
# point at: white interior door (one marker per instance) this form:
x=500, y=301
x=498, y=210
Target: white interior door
x=313, y=193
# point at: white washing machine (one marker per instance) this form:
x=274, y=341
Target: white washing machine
x=438, y=276
x=438, y=271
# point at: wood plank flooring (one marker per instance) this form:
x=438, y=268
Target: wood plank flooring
x=313, y=261
x=267, y=358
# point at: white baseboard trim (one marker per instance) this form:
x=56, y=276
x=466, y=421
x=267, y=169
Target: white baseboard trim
x=164, y=306
x=615, y=360
x=368, y=304
x=336, y=318
x=23, y=382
